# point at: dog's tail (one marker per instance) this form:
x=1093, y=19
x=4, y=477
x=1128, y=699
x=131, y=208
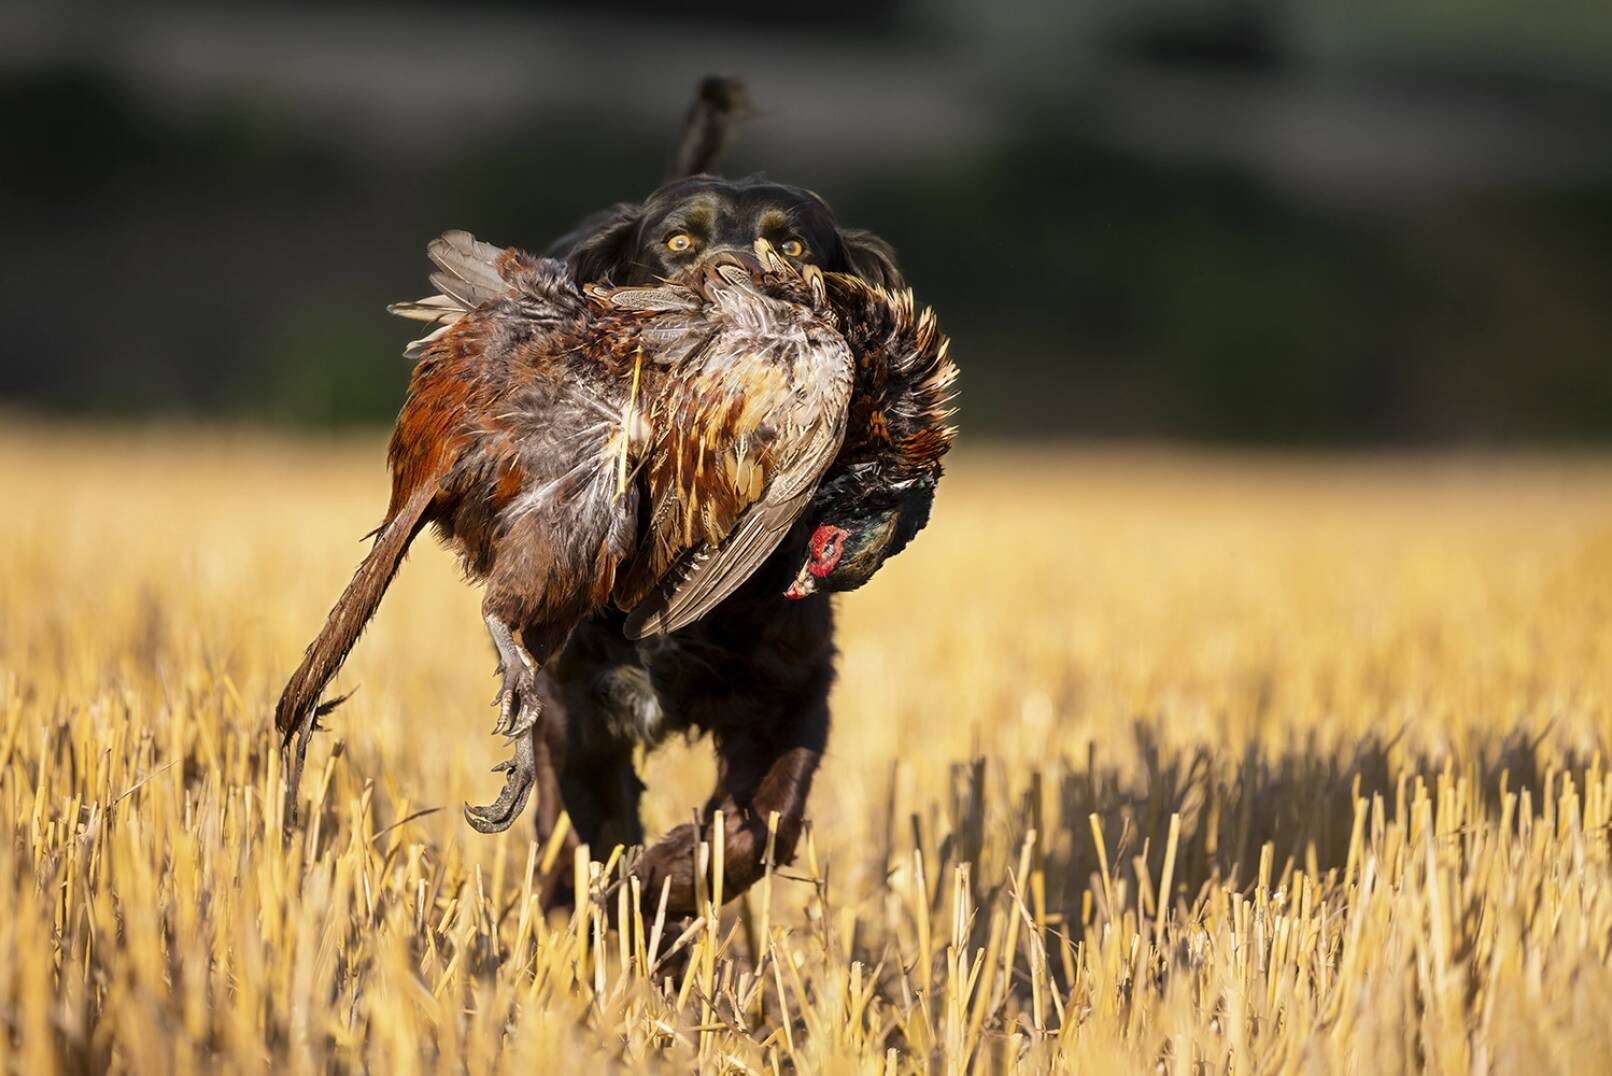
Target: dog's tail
x=719, y=105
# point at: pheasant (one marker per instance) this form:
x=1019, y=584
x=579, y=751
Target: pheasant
x=538, y=410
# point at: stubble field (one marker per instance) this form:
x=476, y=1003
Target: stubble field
x=1142, y=762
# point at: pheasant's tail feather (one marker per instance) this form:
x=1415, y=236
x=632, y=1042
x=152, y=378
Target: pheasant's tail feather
x=353, y=610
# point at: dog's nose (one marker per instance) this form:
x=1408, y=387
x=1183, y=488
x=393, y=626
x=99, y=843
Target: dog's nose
x=715, y=258
x=725, y=253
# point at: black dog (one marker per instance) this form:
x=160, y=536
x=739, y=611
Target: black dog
x=755, y=672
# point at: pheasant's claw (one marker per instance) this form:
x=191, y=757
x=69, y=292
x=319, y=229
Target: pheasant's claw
x=518, y=708
x=525, y=720
x=520, y=775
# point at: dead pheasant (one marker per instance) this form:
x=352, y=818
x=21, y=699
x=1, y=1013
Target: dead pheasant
x=536, y=414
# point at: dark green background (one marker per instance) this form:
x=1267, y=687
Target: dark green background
x=1336, y=223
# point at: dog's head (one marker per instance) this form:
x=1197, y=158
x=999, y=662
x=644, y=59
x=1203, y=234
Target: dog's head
x=675, y=229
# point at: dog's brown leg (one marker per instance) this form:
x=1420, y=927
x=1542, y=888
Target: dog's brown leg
x=762, y=769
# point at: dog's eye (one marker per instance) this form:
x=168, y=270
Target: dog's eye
x=679, y=242
x=791, y=248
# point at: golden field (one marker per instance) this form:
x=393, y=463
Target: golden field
x=1143, y=762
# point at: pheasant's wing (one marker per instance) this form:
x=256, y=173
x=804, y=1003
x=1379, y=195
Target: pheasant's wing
x=471, y=273
x=707, y=575
x=467, y=269
x=770, y=442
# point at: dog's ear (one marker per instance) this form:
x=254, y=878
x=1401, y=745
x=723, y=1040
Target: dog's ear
x=601, y=247
x=872, y=259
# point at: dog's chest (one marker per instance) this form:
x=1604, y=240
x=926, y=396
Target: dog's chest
x=631, y=705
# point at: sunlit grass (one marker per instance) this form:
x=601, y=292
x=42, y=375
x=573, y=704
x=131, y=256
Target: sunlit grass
x=1142, y=762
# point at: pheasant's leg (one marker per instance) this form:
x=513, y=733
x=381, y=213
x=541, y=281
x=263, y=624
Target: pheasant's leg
x=518, y=705
x=518, y=712
x=521, y=775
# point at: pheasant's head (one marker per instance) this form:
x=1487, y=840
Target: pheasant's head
x=843, y=553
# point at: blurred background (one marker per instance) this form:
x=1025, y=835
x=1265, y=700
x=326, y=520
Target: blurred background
x=1263, y=221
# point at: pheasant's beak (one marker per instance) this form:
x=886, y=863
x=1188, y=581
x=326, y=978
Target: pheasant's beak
x=805, y=584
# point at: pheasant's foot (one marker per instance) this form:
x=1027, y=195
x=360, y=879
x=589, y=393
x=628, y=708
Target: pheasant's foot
x=520, y=775
x=516, y=700
x=518, y=708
